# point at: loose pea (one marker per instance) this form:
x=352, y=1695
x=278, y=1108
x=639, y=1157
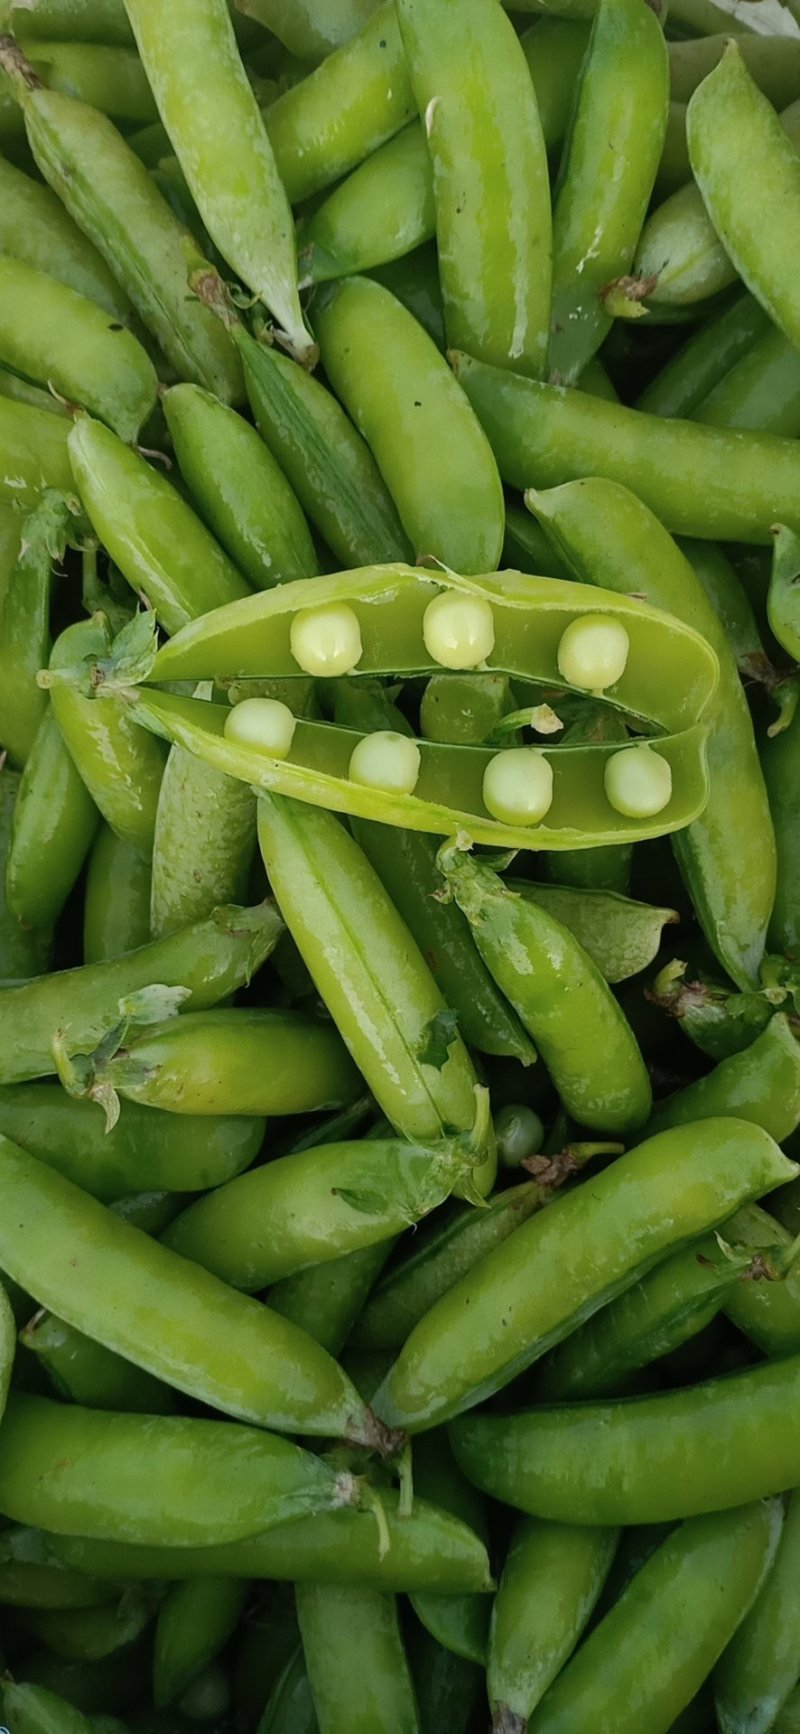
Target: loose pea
x=520, y=1134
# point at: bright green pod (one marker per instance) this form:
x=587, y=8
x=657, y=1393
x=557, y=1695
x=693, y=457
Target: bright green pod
x=195, y=1621
x=759, y=1669
x=25, y=622
x=33, y=453
x=240, y=490
x=116, y=907
x=559, y=996
x=597, y=220
x=55, y=820
x=204, y=841
x=307, y=28
x=620, y=935
x=237, y=190
x=83, y=1371
x=400, y=393
x=762, y=390
x=490, y=179
x=649, y=1202
x=762, y=1084
x=107, y=77
x=24, y=948
x=212, y=958
x=72, y=20
x=460, y=1623
x=126, y=1478
x=780, y=761
x=327, y=1299
x=35, y=227
x=165, y=552
x=767, y=1312
x=772, y=61
x=382, y=211
x=379, y=1692
x=691, y=375
x=551, y=1580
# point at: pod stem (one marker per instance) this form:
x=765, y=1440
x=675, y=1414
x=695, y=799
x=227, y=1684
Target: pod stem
x=552, y=1172
x=17, y=68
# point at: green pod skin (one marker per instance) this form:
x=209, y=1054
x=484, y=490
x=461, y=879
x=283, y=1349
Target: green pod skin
x=733, y=902
x=767, y=1312
x=152, y=1212
x=106, y=77
x=122, y=778
x=204, y=1338
x=414, y=279
x=463, y=709
x=714, y=483
x=783, y=606
x=328, y=464
x=746, y=189
x=194, y=1623
x=160, y=545
x=733, y=606
x=116, y=908
x=429, y=1550
x=642, y=1459
x=450, y=1691
x=204, y=842
x=646, y=1660
x=620, y=935
x=82, y=1371
x=24, y=949
x=460, y=1623
x=490, y=178
x=72, y=21
x=674, y=169
x=12, y=385
x=326, y=1299
x=240, y=490
x=32, y=1577
x=762, y=1084
x=55, y=820
x=212, y=958
x=772, y=61
x=8, y=1339
x=761, y=391
x=35, y=227
x=235, y=185
x=554, y=49
x=233, y=1060
x=25, y=623
x=35, y=1710
x=88, y=1634
x=308, y=1208
x=379, y=1693
x=551, y=1580
x=527, y=549
x=33, y=453
x=365, y=965
x=690, y=377
x=357, y=99
x=155, y=1480
x=759, y=1669
x=780, y=761
x=307, y=28
x=589, y=1246
x=60, y=338
x=400, y=393
x=116, y=203
x=290, y=1707
x=165, y=1153
x=383, y=210
x=559, y=996
x=597, y=220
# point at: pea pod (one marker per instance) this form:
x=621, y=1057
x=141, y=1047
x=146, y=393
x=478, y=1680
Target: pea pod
x=237, y=190
x=761, y=391
x=734, y=607
x=89, y=1634
x=8, y=1332
x=461, y=1623
x=212, y=958
x=703, y=361
x=33, y=452
x=449, y=1690
x=758, y=1670
x=116, y=908
x=414, y=279
x=551, y=1580
x=203, y=844
x=310, y=31
x=25, y=622
x=380, y=1693
x=762, y=1084
x=24, y=950
x=194, y=1623
x=54, y=823
x=31, y=1576
x=559, y=996
x=326, y=1299
x=290, y=1708
x=74, y=20
x=83, y=1371
x=38, y=1711
x=382, y=211
x=780, y=758
x=35, y=227
x=124, y=1477
x=773, y=61
x=620, y=935
x=442, y=1369
x=106, y=76
x=767, y=1312
x=400, y=393
x=783, y=599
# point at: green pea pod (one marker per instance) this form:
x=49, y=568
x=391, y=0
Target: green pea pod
x=326, y=1299
x=642, y=1459
x=124, y=1477
x=229, y=164
x=85, y=1372
x=308, y=29
x=240, y=490
x=164, y=551
x=758, y=1671
x=733, y=606
x=428, y=1550
x=25, y=622
x=490, y=181
x=767, y=1312
x=379, y=1692
x=111, y=196
x=703, y=361
x=559, y=996
x=172, y=1153
x=204, y=841
x=449, y=1690
x=715, y=483
x=73, y=20
x=152, y=1212
x=96, y=1686
x=290, y=1708
x=88, y=1634
x=116, y=909
x=382, y=211
x=105, y=76
x=24, y=948
x=35, y=227
x=674, y=169
x=55, y=820
x=589, y=1246
x=35, y=1710
x=551, y=1580
x=195, y=1621
x=214, y=1344
x=596, y=224
x=761, y=391
x=414, y=279
x=33, y=453
x=783, y=599
x=400, y=393
x=32, y=1576
x=773, y=61
x=212, y=958
x=527, y=549
x=8, y=1334
x=620, y=936
x=762, y=1084
x=464, y=709
x=460, y=1623
x=554, y=49
x=780, y=760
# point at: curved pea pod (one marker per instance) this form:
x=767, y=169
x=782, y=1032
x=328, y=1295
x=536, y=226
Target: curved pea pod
x=414, y=279
x=55, y=820
x=490, y=180
x=212, y=958
x=116, y=909
x=762, y=1084
x=761, y=391
x=783, y=599
x=703, y=361
x=240, y=490
x=620, y=935
x=195, y=1621
x=733, y=905
x=25, y=621
x=759, y=1670
x=428, y=1550
x=733, y=606
x=596, y=225
x=204, y=841
x=237, y=191
x=24, y=949
x=780, y=760
x=551, y=1580
x=542, y=435
x=214, y=1344
x=290, y=1708
x=400, y=393
x=33, y=452
x=554, y=48
x=326, y=1299
x=32, y=1576
x=85, y=1372
x=379, y=1691
x=767, y=1312
x=460, y=1623
x=559, y=996
x=588, y=1247
x=35, y=227
x=73, y=20
x=382, y=211
x=154, y=1480
x=308, y=29
x=88, y=1634
x=36, y=1710
x=773, y=61
x=106, y=76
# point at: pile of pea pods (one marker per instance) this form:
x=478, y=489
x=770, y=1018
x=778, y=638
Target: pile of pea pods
x=400, y=880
